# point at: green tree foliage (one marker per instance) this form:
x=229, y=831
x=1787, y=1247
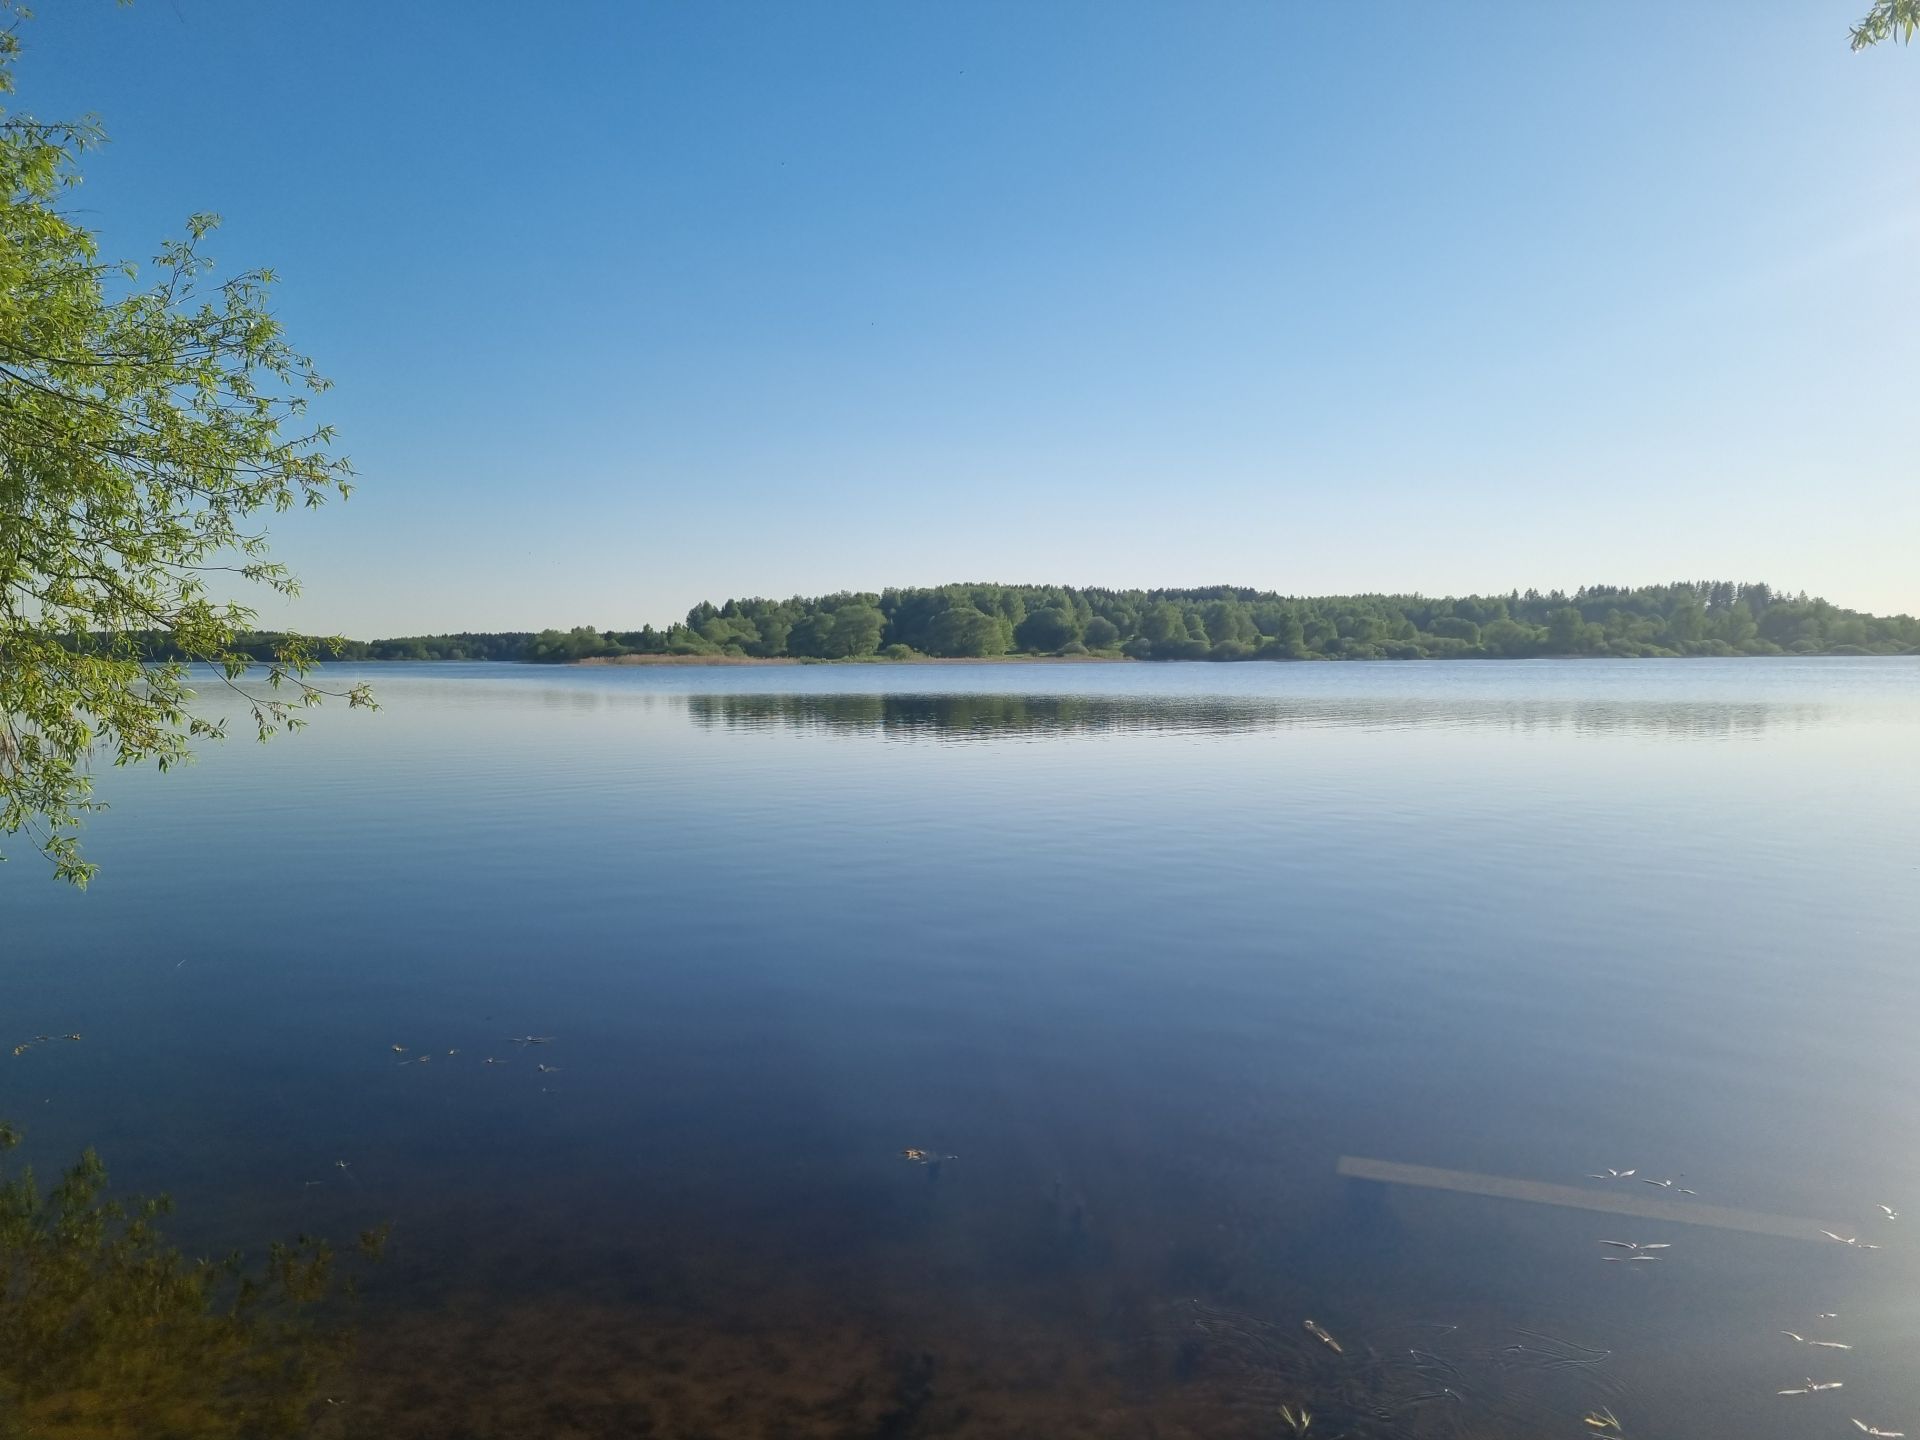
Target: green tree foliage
x=1047, y=629
x=856, y=630
x=1164, y=624
x=1227, y=622
x=811, y=634
x=1510, y=639
x=1217, y=623
x=108, y=1333
x=965, y=631
x=1568, y=633
x=465, y=646
x=147, y=421
x=583, y=642
x=1888, y=20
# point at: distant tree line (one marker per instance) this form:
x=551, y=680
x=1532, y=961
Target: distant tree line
x=1224, y=622
x=260, y=645
x=1227, y=623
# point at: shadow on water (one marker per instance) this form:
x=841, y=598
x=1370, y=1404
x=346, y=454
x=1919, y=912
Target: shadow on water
x=106, y=1331
x=1002, y=716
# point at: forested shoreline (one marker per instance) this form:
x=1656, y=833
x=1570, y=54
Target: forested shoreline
x=1212, y=623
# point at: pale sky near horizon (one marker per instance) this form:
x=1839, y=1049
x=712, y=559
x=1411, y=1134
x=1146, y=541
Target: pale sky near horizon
x=631, y=305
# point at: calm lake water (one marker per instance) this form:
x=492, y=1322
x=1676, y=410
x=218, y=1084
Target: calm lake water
x=1146, y=949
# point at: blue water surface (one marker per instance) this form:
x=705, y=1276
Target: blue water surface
x=1146, y=949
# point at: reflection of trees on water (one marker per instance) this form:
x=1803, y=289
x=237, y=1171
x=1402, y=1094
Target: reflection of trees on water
x=959, y=717
x=978, y=716
x=108, y=1333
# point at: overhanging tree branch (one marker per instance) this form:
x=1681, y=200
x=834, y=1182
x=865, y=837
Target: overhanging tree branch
x=142, y=426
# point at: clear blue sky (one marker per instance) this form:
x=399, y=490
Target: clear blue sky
x=633, y=304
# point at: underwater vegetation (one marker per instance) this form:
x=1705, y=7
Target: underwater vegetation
x=108, y=1331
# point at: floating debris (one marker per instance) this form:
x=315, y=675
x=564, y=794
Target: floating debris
x=1612, y=1174
x=1296, y=1420
x=1888, y=1211
x=399, y=1049
x=1385, y=1382
x=1828, y=1315
x=28, y=1044
x=453, y=1051
x=925, y=1157
x=1602, y=1419
x=1320, y=1334
x=1672, y=1185
x=548, y=1069
x=1559, y=1352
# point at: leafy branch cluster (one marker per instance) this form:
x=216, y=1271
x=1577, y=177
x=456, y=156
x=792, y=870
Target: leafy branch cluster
x=1888, y=20
x=146, y=424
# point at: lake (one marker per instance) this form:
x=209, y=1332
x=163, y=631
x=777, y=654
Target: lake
x=1137, y=954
